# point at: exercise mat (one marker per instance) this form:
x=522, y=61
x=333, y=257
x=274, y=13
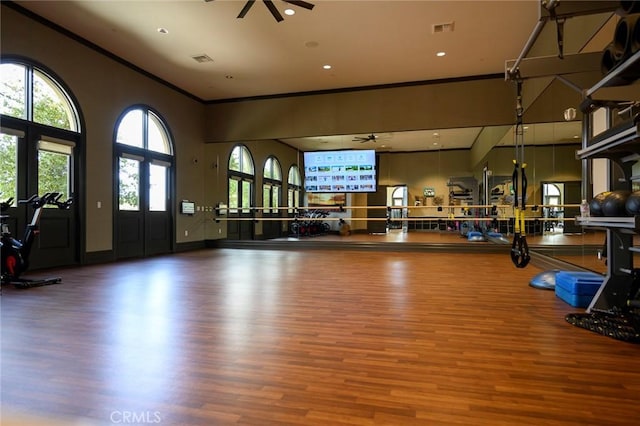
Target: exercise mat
x=619, y=326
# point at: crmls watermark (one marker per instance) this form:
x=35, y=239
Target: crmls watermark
x=126, y=417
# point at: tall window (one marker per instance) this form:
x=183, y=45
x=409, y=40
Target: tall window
x=271, y=185
x=145, y=158
x=241, y=176
x=294, y=183
x=40, y=152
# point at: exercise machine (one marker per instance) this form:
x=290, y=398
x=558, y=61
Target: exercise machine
x=519, y=248
x=15, y=253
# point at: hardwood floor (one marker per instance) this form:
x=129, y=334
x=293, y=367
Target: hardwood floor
x=311, y=337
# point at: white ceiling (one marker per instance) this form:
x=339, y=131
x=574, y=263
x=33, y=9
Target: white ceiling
x=366, y=42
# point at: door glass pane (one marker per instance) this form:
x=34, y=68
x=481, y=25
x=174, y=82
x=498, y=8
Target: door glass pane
x=130, y=130
x=50, y=104
x=14, y=93
x=8, y=167
x=54, y=168
x=129, y=184
x=266, y=192
x=233, y=196
x=157, y=139
x=274, y=198
x=246, y=196
x=157, y=188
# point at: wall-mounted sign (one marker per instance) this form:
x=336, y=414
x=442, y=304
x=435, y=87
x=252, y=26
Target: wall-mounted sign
x=429, y=191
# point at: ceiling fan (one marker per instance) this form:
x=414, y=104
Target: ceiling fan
x=272, y=8
x=363, y=139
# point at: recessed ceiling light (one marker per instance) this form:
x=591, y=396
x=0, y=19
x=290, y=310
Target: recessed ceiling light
x=163, y=30
x=326, y=67
x=289, y=12
x=441, y=54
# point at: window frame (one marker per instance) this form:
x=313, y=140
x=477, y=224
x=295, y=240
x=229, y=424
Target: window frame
x=244, y=174
x=64, y=96
x=271, y=185
x=147, y=157
x=294, y=188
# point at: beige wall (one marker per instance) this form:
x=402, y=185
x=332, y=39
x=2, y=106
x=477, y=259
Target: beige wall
x=431, y=106
x=424, y=169
x=215, y=178
x=556, y=163
x=103, y=89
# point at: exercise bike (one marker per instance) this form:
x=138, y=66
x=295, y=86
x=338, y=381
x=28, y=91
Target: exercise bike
x=15, y=253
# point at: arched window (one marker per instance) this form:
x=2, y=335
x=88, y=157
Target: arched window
x=31, y=94
x=241, y=177
x=241, y=161
x=294, y=184
x=144, y=129
x=40, y=145
x=271, y=185
x=144, y=166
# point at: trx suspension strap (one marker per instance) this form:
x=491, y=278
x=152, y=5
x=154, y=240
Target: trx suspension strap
x=519, y=248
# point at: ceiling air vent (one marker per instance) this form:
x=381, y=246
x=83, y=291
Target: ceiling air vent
x=447, y=27
x=202, y=58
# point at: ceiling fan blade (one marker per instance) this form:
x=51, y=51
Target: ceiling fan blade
x=246, y=8
x=300, y=3
x=273, y=10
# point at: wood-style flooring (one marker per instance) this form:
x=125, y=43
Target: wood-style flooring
x=307, y=337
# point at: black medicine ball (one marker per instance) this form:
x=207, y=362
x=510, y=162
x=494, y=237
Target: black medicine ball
x=633, y=203
x=595, y=205
x=615, y=203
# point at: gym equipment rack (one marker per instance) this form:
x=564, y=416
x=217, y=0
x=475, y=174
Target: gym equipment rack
x=614, y=310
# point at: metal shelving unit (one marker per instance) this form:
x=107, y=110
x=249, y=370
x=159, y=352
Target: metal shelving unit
x=620, y=144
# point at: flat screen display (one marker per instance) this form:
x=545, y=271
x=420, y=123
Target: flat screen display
x=340, y=171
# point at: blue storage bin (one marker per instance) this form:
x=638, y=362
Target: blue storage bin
x=577, y=288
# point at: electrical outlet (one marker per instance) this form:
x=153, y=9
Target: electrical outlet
x=186, y=233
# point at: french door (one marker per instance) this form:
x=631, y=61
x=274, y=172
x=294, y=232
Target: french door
x=240, y=208
x=36, y=160
x=144, y=220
